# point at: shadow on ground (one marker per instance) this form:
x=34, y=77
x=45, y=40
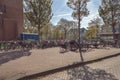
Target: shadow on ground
x=8, y=56
x=87, y=73
x=76, y=51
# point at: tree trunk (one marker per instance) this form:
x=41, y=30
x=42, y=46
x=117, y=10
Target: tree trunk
x=79, y=32
x=113, y=23
x=65, y=33
x=39, y=25
x=114, y=36
x=39, y=34
x=113, y=28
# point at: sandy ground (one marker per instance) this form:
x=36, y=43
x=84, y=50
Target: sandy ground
x=42, y=60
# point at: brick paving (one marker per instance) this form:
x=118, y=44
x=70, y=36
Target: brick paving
x=109, y=69
x=43, y=60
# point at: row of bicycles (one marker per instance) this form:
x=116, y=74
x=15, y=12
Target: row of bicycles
x=71, y=45
x=12, y=45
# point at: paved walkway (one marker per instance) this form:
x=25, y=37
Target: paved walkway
x=107, y=69
x=43, y=60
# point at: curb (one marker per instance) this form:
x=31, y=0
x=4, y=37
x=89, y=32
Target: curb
x=28, y=77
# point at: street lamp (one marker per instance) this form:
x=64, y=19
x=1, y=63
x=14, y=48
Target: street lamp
x=1, y=13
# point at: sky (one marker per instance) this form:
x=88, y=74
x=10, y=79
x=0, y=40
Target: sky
x=61, y=10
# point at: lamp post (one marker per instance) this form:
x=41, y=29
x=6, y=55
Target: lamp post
x=1, y=13
x=1, y=23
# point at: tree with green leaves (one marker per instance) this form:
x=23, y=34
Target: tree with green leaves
x=38, y=12
x=80, y=10
x=57, y=32
x=46, y=30
x=110, y=13
x=96, y=22
x=91, y=32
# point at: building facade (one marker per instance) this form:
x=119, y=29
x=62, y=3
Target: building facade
x=106, y=32
x=11, y=19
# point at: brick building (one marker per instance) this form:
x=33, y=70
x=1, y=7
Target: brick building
x=11, y=19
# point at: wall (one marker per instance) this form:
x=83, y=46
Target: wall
x=12, y=18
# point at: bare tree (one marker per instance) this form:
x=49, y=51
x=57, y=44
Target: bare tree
x=80, y=10
x=65, y=24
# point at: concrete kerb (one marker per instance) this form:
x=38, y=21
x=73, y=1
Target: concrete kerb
x=32, y=76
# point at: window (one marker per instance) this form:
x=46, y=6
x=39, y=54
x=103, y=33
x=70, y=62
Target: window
x=2, y=9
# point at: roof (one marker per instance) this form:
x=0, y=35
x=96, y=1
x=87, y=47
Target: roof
x=108, y=34
x=31, y=33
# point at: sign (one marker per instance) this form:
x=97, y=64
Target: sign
x=28, y=36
